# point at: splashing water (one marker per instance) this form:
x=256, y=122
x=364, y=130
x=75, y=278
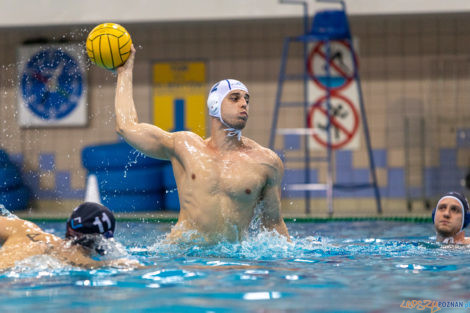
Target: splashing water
x=6, y=213
x=113, y=249
x=136, y=154
x=259, y=244
x=37, y=266
x=324, y=262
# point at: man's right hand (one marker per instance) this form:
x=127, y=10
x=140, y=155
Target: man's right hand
x=129, y=64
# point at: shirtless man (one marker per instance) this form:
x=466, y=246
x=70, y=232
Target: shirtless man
x=88, y=224
x=450, y=216
x=222, y=179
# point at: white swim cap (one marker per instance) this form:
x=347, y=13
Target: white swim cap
x=217, y=95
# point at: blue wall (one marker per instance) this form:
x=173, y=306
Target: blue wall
x=445, y=177
x=438, y=180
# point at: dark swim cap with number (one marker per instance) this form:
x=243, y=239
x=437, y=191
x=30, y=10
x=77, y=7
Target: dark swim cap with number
x=92, y=218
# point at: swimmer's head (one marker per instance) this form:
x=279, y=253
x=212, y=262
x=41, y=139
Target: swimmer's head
x=216, y=96
x=89, y=223
x=451, y=214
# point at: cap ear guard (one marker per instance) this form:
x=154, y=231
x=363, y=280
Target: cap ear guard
x=108, y=234
x=213, y=105
x=466, y=220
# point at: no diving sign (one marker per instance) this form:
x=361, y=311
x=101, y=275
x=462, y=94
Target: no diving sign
x=341, y=66
x=344, y=123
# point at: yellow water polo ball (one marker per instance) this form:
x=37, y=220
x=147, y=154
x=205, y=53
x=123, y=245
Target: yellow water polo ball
x=108, y=45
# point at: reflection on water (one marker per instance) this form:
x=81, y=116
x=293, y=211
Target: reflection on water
x=344, y=266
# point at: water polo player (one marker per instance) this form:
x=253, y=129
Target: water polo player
x=89, y=225
x=450, y=216
x=221, y=179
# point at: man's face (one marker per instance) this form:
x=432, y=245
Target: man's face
x=448, y=218
x=234, y=109
x=87, y=241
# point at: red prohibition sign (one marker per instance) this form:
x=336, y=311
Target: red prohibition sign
x=317, y=108
x=318, y=53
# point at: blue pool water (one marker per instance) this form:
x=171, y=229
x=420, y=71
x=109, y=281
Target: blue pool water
x=329, y=267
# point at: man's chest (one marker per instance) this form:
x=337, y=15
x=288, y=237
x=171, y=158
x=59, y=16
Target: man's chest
x=238, y=177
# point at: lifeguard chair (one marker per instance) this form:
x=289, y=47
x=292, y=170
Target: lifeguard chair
x=327, y=26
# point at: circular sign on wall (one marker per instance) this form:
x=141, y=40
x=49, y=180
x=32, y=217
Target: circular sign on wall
x=343, y=117
x=52, y=86
x=341, y=65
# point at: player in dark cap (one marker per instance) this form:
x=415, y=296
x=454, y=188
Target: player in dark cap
x=88, y=227
x=88, y=224
x=450, y=216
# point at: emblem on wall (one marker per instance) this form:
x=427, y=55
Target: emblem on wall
x=52, y=88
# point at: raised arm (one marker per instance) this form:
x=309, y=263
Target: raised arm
x=271, y=217
x=149, y=139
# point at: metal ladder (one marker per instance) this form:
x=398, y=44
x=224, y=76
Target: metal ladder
x=327, y=26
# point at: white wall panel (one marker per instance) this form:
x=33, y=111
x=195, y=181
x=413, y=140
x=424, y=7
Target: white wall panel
x=61, y=12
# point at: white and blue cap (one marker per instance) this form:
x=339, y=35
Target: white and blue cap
x=463, y=204
x=214, y=101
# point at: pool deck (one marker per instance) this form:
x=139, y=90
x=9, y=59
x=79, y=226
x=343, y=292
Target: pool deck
x=171, y=217
x=292, y=211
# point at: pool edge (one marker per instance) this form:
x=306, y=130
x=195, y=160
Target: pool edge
x=172, y=218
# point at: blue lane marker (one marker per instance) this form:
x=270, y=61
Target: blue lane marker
x=179, y=115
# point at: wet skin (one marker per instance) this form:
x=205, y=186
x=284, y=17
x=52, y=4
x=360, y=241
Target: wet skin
x=21, y=239
x=219, y=201
x=220, y=180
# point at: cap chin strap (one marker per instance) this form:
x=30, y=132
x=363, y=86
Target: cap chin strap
x=234, y=132
x=231, y=132
x=448, y=240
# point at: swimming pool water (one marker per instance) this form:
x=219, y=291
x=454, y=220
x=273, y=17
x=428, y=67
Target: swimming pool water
x=329, y=267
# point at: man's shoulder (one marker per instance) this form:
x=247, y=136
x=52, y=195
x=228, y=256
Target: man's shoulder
x=16, y=225
x=187, y=135
x=183, y=138
x=266, y=155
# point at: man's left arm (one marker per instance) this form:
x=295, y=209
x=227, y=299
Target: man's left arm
x=271, y=217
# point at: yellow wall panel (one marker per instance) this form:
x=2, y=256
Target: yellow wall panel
x=163, y=112
x=180, y=96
